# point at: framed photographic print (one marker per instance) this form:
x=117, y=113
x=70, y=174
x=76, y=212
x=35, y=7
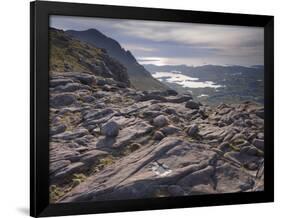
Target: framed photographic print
x=141, y=109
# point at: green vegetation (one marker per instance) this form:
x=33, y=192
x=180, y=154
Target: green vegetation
x=57, y=191
x=130, y=148
x=68, y=54
x=234, y=147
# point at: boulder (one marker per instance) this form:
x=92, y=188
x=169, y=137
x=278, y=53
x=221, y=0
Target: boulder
x=192, y=104
x=110, y=129
x=160, y=121
x=168, y=130
x=158, y=135
x=193, y=130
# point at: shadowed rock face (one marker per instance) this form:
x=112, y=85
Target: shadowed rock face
x=112, y=142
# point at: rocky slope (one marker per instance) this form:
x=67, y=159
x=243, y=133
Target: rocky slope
x=109, y=141
x=69, y=54
x=140, y=78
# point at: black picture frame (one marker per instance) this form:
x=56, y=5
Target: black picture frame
x=39, y=107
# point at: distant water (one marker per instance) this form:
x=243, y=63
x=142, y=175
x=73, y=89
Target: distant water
x=202, y=95
x=183, y=80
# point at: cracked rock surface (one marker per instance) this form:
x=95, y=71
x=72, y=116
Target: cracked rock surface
x=111, y=142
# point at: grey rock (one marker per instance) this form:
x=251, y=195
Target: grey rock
x=97, y=114
x=57, y=129
x=60, y=82
x=57, y=165
x=251, y=166
x=160, y=121
x=82, y=141
x=260, y=135
x=149, y=113
x=110, y=129
x=202, y=189
x=238, y=136
x=158, y=135
x=92, y=156
x=202, y=176
x=131, y=132
x=224, y=146
x=170, y=129
x=69, y=135
x=231, y=179
x=228, y=137
x=70, y=169
x=122, y=180
x=192, y=105
x=101, y=82
x=175, y=190
x=89, y=99
x=193, y=130
x=250, y=150
x=149, y=97
x=170, y=111
x=259, y=143
x=108, y=88
x=85, y=79
x=61, y=100
x=69, y=87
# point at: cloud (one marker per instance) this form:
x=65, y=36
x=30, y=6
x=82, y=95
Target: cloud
x=190, y=33
x=174, y=42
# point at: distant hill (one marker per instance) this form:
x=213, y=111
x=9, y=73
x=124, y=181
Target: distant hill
x=236, y=83
x=139, y=76
x=68, y=54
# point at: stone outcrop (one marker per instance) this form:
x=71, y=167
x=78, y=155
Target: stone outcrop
x=111, y=142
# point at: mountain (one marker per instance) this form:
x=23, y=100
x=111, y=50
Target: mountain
x=139, y=76
x=214, y=84
x=71, y=55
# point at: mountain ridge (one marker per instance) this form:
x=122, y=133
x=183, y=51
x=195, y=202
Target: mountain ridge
x=70, y=55
x=139, y=76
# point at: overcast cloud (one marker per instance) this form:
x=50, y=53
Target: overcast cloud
x=176, y=43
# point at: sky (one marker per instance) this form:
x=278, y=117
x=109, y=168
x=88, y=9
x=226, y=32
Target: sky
x=173, y=43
